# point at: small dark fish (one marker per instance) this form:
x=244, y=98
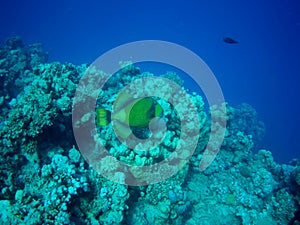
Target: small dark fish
x=230, y=40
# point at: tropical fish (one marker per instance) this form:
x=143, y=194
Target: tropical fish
x=129, y=113
x=230, y=40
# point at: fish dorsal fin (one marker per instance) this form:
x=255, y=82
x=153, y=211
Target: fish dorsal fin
x=122, y=101
x=122, y=107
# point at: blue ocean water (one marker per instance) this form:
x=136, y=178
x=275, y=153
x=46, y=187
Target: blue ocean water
x=262, y=69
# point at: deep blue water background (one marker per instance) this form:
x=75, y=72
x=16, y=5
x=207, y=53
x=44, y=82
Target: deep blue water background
x=262, y=70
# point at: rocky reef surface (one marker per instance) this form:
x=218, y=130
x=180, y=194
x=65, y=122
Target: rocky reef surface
x=45, y=180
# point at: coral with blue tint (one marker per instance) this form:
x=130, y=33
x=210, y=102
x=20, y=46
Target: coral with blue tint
x=45, y=180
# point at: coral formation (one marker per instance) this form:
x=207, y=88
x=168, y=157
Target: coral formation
x=45, y=180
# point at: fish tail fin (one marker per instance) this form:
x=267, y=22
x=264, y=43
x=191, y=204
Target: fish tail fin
x=103, y=117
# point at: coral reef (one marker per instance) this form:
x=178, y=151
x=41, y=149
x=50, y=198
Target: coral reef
x=45, y=180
